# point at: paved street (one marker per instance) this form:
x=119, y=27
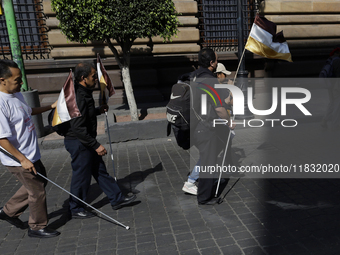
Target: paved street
x=258, y=216
x=286, y=215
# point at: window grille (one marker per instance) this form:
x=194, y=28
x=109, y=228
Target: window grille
x=32, y=30
x=218, y=23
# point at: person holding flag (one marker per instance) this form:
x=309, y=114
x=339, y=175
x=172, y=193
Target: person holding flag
x=263, y=40
x=86, y=152
x=106, y=91
x=208, y=140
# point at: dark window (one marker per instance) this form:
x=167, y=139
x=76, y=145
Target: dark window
x=218, y=23
x=32, y=31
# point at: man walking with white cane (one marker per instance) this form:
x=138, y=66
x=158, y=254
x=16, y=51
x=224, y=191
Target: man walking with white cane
x=86, y=152
x=18, y=137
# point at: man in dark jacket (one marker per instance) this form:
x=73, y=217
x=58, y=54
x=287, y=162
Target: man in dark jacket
x=208, y=139
x=86, y=152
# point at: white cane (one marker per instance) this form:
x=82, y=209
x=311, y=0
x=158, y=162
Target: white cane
x=108, y=132
x=115, y=221
x=224, y=156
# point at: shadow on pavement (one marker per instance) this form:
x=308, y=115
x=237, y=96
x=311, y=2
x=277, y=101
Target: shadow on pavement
x=127, y=184
x=301, y=215
x=65, y=216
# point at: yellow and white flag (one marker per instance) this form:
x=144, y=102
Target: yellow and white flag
x=67, y=108
x=105, y=83
x=264, y=41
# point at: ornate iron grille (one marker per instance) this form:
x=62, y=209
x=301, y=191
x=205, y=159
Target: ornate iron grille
x=32, y=30
x=218, y=23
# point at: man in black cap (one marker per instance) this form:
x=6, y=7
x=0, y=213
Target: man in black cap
x=208, y=139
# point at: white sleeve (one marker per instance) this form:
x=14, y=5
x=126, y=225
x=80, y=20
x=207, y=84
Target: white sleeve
x=5, y=129
x=22, y=99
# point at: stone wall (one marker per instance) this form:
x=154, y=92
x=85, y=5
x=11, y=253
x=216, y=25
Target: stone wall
x=312, y=30
x=185, y=41
x=151, y=73
x=310, y=27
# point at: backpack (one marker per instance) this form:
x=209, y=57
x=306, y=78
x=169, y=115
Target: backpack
x=327, y=72
x=178, y=112
x=62, y=128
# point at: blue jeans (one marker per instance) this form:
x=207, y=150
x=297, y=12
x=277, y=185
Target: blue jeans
x=85, y=164
x=194, y=173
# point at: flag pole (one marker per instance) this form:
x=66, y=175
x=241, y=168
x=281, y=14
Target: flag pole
x=239, y=64
x=226, y=147
x=115, y=221
x=243, y=72
x=108, y=133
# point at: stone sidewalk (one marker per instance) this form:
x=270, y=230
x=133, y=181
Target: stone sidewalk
x=258, y=216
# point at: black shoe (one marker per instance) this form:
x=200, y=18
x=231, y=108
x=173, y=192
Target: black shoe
x=127, y=200
x=14, y=221
x=43, y=233
x=210, y=202
x=83, y=215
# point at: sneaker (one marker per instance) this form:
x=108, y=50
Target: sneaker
x=126, y=201
x=190, y=188
x=83, y=215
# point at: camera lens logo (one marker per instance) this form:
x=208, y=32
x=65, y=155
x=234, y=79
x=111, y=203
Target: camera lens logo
x=204, y=97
